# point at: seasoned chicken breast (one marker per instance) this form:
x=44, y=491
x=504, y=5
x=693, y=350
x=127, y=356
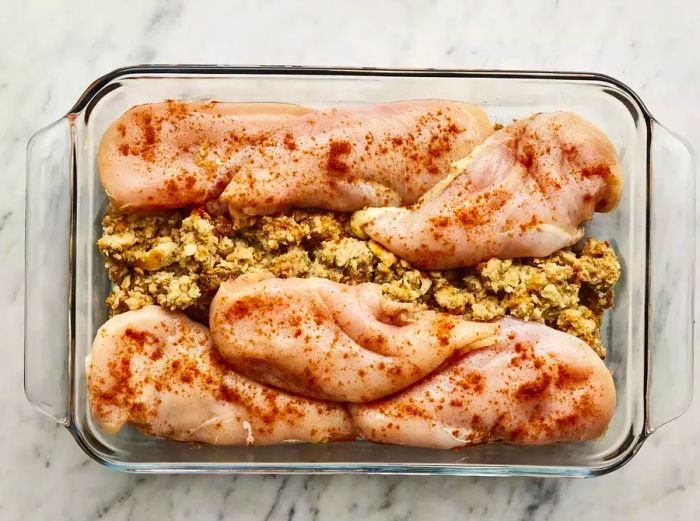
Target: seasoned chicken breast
x=170, y=155
x=327, y=340
x=345, y=158
x=535, y=386
x=523, y=193
x=158, y=370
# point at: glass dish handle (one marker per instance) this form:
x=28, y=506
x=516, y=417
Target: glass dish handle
x=672, y=278
x=47, y=269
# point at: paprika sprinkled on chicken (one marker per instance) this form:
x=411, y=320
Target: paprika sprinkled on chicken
x=346, y=158
x=158, y=370
x=535, y=386
x=523, y=193
x=171, y=155
x=333, y=341
x=328, y=325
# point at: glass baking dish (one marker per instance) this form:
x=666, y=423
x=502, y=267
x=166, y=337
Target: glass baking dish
x=649, y=332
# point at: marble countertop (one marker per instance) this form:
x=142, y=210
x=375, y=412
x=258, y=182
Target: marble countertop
x=51, y=52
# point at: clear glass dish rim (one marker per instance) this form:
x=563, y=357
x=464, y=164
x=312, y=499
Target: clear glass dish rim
x=97, y=89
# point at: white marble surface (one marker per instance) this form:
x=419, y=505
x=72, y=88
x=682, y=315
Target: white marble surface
x=49, y=52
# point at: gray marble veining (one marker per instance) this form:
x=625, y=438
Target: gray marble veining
x=51, y=52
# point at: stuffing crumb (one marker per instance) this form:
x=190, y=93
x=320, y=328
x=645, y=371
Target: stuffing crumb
x=178, y=259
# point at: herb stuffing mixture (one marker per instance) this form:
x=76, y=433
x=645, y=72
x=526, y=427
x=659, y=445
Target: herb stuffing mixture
x=178, y=259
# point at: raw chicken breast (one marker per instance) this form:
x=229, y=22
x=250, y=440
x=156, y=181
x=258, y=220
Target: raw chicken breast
x=346, y=158
x=170, y=155
x=523, y=193
x=536, y=386
x=157, y=369
x=333, y=341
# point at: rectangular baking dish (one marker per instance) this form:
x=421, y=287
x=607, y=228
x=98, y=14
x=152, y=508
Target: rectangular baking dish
x=649, y=332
